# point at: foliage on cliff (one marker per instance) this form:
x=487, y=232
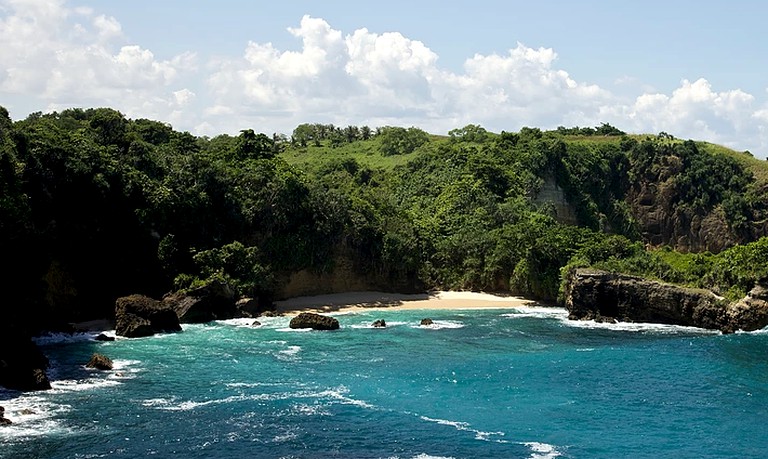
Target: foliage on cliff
x=94, y=206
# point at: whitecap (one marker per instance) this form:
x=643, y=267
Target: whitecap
x=541, y=312
x=441, y=324
x=310, y=410
x=464, y=426
x=298, y=330
x=33, y=416
x=288, y=354
x=78, y=385
x=642, y=327
x=762, y=331
x=239, y=322
x=542, y=450
x=428, y=456
x=370, y=325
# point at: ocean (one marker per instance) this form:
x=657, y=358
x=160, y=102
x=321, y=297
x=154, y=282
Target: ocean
x=493, y=383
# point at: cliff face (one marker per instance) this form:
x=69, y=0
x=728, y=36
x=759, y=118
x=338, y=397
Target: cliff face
x=662, y=222
x=345, y=276
x=594, y=294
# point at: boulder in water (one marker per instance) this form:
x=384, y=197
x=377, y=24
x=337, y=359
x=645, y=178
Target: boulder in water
x=139, y=315
x=380, y=323
x=314, y=321
x=104, y=337
x=426, y=321
x=99, y=362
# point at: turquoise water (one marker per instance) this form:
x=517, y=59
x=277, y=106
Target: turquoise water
x=516, y=383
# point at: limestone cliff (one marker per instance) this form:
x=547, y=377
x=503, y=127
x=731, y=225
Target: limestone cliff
x=601, y=295
x=662, y=222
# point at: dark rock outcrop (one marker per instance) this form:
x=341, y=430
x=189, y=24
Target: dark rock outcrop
x=213, y=301
x=3, y=420
x=99, y=362
x=426, y=321
x=600, y=295
x=379, y=324
x=138, y=315
x=104, y=337
x=22, y=364
x=314, y=321
x=256, y=323
x=247, y=307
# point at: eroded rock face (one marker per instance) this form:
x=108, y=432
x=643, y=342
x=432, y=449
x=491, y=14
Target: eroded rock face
x=600, y=295
x=214, y=301
x=314, y=321
x=139, y=315
x=751, y=312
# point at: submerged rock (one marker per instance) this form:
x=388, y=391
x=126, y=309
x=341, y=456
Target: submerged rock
x=99, y=362
x=426, y=321
x=103, y=337
x=139, y=315
x=256, y=323
x=314, y=321
x=379, y=324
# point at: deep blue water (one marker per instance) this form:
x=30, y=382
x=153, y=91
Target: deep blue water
x=517, y=383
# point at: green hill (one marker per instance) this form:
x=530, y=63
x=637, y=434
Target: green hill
x=95, y=206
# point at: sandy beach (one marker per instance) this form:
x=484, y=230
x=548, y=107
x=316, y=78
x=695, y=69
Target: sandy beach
x=354, y=301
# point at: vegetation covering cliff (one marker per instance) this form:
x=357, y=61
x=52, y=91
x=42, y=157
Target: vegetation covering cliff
x=94, y=206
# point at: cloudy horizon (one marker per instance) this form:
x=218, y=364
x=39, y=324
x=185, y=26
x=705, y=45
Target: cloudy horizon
x=57, y=55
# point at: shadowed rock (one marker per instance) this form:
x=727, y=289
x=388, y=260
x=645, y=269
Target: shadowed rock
x=99, y=362
x=22, y=364
x=138, y=315
x=600, y=295
x=213, y=301
x=314, y=321
x=379, y=324
x=103, y=337
x=426, y=321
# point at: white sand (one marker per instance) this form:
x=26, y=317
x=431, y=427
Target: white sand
x=353, y=301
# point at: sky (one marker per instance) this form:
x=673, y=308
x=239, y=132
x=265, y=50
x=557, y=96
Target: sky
x=694, y=69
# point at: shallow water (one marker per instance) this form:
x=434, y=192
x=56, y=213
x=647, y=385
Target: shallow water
x=516, y=383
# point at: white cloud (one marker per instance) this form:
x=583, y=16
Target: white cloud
x=54, y=56
x=64, y=57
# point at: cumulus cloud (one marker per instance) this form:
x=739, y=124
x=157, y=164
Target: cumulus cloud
x=66, y=57
x=61, y=56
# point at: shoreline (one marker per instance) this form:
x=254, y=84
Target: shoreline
x=358, y=301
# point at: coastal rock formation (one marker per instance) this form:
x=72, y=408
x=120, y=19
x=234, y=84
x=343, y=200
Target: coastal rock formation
x=426, y=321
x=99, y=362
x=213, y=301
x=22, y=364
x=104, y=337
x=314, y=321
x=751, y=312
x=379, y=324
x=604, y=296
x=3, y=420
x=138, y=315
x=247, y=307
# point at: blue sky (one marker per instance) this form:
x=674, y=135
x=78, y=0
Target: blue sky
x=693, y=69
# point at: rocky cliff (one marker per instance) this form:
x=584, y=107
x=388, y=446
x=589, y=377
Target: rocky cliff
x=601, y=295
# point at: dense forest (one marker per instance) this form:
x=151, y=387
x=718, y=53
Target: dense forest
x=94, y=206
